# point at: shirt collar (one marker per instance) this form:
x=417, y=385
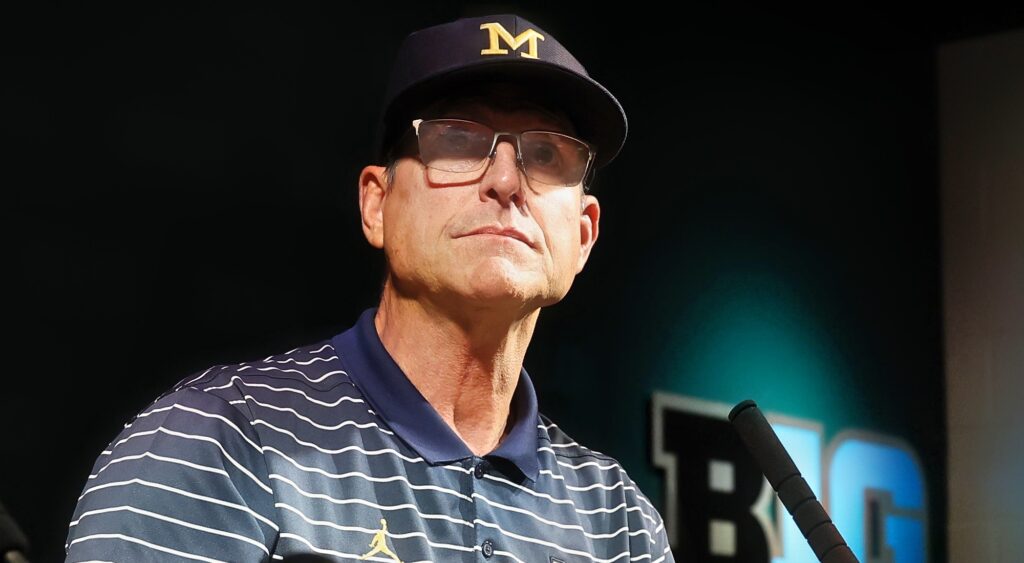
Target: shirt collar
x=414, y=419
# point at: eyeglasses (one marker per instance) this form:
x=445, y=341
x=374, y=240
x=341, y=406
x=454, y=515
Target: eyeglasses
x=454, y=150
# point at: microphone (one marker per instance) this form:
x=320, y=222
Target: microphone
x=766, y=448
x=13, y=543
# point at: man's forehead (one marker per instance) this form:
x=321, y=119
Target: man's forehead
x=485, y=105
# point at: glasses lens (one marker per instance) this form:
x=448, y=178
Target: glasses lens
x=454, y=145
x=554, y=159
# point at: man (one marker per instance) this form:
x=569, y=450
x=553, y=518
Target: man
x=414, y=435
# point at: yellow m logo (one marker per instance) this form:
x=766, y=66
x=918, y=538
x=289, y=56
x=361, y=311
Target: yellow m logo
x=496, y=31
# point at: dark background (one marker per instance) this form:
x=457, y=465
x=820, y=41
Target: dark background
x=181, y=191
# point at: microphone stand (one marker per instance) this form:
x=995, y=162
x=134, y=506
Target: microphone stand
x=766, y=448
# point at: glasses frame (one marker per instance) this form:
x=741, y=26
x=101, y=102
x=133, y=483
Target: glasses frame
x=587, y=169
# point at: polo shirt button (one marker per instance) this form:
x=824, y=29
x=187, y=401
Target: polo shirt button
x=480, y=470
x=487, y=548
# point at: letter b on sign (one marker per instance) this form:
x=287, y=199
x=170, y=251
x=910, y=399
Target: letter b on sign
x=712, y=486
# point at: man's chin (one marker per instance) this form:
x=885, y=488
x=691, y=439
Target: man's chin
x=497, y=282
x=502, y=291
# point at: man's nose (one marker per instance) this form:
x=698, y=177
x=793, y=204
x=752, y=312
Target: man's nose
x=504, y=178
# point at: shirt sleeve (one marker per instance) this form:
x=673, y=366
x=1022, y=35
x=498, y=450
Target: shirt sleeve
x=657, y=548
x=661, y=551
x=186, y=479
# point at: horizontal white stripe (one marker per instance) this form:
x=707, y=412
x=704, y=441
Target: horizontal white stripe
x=629, y=509
x=366, y=477
x=569, y=501
x=564, y=526
x=615, y=509
x=159, y=458
x=181, y=492
x=583, y=449
x=456, y=468
x=528, y=513
x=182, y=523
x=197, y=378
x=318, y=448
x=145, y=414
x=552, y=474
x=321, y=449
x=220, y=418
x=333, y=500
x=389, y=533
x=269, y=360
x=610, y=488
x=303, y=374
x=601, y=486
x=235, y=378
x=346, y=449
x=640, y=495
x=147, y=544
x=592, y=486
x=612, y=465
x=154, y=411
x=316, y=424
x=317, y=351
x=588, y=464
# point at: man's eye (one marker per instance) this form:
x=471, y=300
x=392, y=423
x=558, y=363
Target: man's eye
x=545, y=155
x=459, y=142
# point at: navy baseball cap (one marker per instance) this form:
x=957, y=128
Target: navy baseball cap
x=435, y=62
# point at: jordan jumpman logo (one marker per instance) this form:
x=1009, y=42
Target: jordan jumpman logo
x=379, y=543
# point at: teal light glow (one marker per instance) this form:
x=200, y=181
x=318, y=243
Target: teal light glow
x=753, y=336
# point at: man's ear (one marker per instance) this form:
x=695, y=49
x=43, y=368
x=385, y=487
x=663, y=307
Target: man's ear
x=590, y=217
x=373, y=190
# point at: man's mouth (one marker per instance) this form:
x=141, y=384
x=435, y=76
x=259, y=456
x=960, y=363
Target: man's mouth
x=510, y=232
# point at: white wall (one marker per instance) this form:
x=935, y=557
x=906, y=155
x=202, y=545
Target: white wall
x=981, y=105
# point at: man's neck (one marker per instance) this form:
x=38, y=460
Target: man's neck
x=466, y=366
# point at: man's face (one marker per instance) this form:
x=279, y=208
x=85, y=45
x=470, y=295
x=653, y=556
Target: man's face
x=434, y=236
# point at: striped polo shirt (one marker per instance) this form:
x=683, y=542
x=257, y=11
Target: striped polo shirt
x=329, y=449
